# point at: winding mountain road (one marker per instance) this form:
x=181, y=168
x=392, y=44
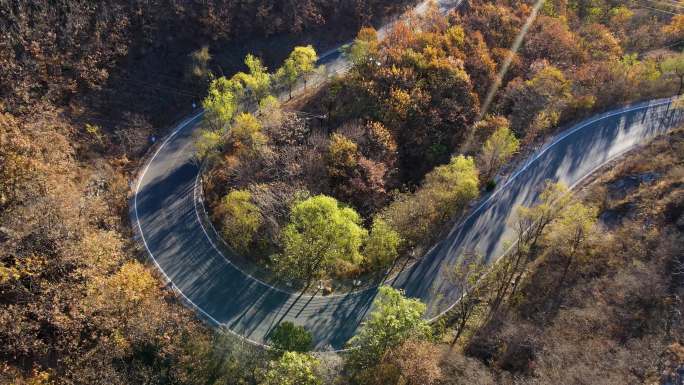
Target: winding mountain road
x=166, y=214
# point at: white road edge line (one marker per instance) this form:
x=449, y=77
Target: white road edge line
x=142, y=236
x=655, y=103
x=218, y=250
x=510, y=180
x=177, y=289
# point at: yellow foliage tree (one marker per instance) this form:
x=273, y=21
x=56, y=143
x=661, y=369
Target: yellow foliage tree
x=498, y=149
x=342, y=155
x=241, y=220
x=246, y=132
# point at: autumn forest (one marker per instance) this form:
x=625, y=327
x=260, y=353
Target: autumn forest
x=337, y=145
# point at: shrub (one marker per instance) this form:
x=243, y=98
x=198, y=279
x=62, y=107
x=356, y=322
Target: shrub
x=293, y=369
x=246, y=132
x=342, y=156
x=290, y=337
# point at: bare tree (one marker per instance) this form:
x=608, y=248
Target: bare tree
x=466, y=278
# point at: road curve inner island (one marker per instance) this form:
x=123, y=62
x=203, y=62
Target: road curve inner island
x=166, y=220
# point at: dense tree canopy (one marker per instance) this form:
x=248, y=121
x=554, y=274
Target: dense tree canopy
x=66, y=270
x=95, y=42
x=241, y=219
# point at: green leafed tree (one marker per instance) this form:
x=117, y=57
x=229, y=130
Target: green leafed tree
x=221, y=102
x=322, y=236
x=207, y=141
x=382, y=246
x=531, y=221
x=257, y=82
x=465, y=277
x=445, y=191
x=530, y=224
x=290, y=338
x=452, y=185
x=394, y=319
x=300, y=63
x=498, y=149
x=241, y=219
x=305, y=60
x=287, y=75
x=293, y=369
x=568, y=235
x=455, y=35
x=226, y=96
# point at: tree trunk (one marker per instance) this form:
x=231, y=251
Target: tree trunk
x=313, y=270
x=459, y=331
x=516, y=282
x=505, y=284
x=561, y=283
x=500, y=293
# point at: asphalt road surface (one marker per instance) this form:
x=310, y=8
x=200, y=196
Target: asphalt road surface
x=165, y=214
